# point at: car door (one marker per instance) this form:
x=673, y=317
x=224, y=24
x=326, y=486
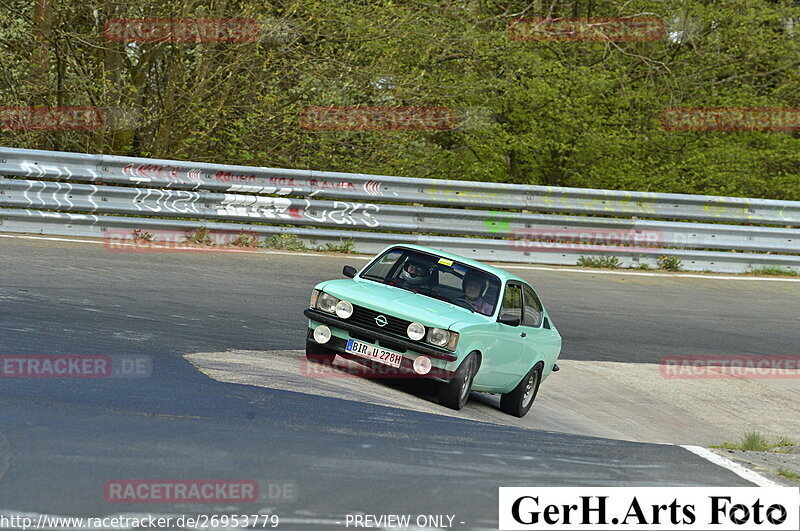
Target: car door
x=541, y=343
x=509, y=348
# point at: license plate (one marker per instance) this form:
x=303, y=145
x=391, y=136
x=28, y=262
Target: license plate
x=371, y=352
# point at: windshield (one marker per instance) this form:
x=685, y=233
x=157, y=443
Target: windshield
x=437, y=277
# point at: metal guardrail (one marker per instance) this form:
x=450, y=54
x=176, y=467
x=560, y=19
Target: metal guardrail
x=396, y=218
x=44, y=191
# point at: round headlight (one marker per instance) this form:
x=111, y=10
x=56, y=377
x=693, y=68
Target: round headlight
x=327, y=303
x=344, y=309
x=415, y=331
x=322, y=334
x=422, y=365
x=438, y=337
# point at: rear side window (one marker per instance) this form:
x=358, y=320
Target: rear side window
x=512, y=302
x=533, y=309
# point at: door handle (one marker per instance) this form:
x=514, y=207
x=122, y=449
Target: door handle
x=523, y=334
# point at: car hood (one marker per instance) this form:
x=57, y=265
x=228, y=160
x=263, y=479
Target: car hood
x=401, y=303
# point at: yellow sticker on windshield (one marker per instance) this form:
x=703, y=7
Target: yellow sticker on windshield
x=445, y=261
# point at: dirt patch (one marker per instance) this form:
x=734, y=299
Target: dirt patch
x=769, y=464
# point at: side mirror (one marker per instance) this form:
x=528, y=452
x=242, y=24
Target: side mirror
x=508, y=319
x=547, y=323
x=349, y=271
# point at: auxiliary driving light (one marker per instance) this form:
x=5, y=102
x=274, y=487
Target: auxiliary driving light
x=322, y=334
x=422, y=365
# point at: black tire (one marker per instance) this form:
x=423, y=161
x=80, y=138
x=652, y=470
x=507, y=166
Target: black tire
x=456, y=393
x=319, y=354
x=519, y=401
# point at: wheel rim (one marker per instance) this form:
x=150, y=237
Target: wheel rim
x=467, y=381
x=530, y=388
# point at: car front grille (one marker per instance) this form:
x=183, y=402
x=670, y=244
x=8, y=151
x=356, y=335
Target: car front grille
x=366, y=318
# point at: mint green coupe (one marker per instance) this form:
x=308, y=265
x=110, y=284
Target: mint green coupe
x=426, y=313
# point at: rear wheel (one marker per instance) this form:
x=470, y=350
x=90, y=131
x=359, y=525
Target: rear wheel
x=456, y=393
x=318, y=353
x=519, y=401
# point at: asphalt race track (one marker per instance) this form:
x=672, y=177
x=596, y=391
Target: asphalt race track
x=62, y=439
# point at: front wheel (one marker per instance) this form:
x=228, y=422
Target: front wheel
x=316, y=353
x=456, y=393
x=519, y=401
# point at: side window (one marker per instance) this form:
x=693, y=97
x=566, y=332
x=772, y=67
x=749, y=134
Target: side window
x=383, y=267
x=512, y=302
x=533, y=309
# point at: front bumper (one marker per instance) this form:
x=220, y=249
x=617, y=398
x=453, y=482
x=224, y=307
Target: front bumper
x=412, y=348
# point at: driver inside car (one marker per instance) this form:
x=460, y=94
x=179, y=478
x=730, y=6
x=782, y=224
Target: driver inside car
x=415, y=275
x=474, y=286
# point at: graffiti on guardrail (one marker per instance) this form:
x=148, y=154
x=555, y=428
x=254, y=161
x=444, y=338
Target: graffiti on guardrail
x=574, y=199
x=153, y=200
x=498, y=222
x=280, y=185
x=152, y=171
x=344, y=213
x=726, y=211
x=257, y=207
x=230, y=177
x=595, y=240
x=260, y=208
x=730, y=119
x=619, y=29
x=322, y=184
x=452, y=195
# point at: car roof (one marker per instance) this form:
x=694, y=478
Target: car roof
x=501, y=273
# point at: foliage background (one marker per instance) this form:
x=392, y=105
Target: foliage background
x=581, y=114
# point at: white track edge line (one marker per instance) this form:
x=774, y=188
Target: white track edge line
x=750, y=475
x=652, y=274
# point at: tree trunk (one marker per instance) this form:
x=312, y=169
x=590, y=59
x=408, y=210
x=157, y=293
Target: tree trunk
x=40, y=58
